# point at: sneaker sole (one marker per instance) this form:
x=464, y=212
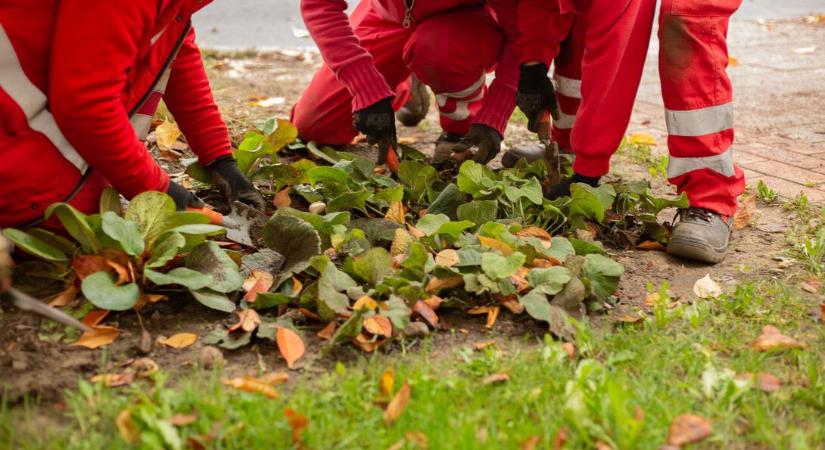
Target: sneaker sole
x=695, y=250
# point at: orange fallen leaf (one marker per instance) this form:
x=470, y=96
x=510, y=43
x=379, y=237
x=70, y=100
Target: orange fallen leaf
x=124, y=275
x=257, y=282
x=772, y=339
x=426, y=313
x=127, y=428
x=298, y=422
x=733, y=61
x=251, y=384
x=822, y=312
x=397, y=213
x=495, y=378
x=94, y=317
x=602, y=446
x=100, y=336
x=519, y=279
x=397, y=404
x=365, y=302
x=378, y=325
x=181, y=420
x=180, y=340
x=85, y=265
x=309, y=314
x=114, y=379
x=248, y=320
x=415, y=232
x=64, y=298
x=545, y=263
x=282, y=198
x=478, y=310
x=511, y=303
x=764, y=381
x=531, y=443
x=387, y=383
x=496, y=244
x=166, y=134
x=689, y=428
x=447, y=258
x=328, y=331
x=367, y=343
x=297, y=286
x=812, y=285
x=290, y=345
x=148, y=298
x=561, y=438
x=651, y=245
x=492, y=315
x=434, y=302
x=570, y=349
x=439, y=284
x=540, y=233
x=744, y=213
x=478, y=346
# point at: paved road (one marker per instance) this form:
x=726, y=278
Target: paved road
x=244, y=24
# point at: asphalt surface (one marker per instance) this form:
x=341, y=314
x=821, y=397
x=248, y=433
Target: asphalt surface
x=267, y=24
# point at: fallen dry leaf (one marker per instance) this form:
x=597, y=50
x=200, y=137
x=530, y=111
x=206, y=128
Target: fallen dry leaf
x=415, y=232
x=706, y=288
x=85, y=265
x=387, y=383
x=397, y=213
x=492, y=315
x=425, y=312
x=764, y=381
x=290, y=345
x=822, y=312
x=167, y=133
x=114, y=379
x=64, y=298
x=732, y=61
x=561, y=438
x=495, y=378
x=127, y=428
x=772, y=339
x=365, y=302
x=248, y=320
x=439, y=284
x=181, y=420
x=446, y=258
x=124, y=275
x=397, y=404
x=309, y=314
x=407, y=140
x=328, y=331
x=257, y=282
x=651, y=245
x=100, y=336
x=531, y=443
x=744, y=213
x=812, y=285
x=378, y=325
x=251, y=384
x=496, y=244
x=599, y=445
x=282, y=198
x=298, y=422
x=511, y=303
x=544, y=263
x=180, y=340
x=478, y=310
x=434, y=302
x=519, y=280
x=297, y=286
x=478, y=346
x=570, y=349
x=689, y=428
x=540, y=233
x=643, y=139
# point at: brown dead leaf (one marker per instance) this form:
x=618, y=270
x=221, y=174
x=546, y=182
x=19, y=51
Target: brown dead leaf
x=309, y=314
x=495, y=378
x=127, y=428
x=764, y=381
x=290, y=345
x=496, y=244
x=148, y=298
x=66, y=297
x=180, y=340
x=651, y=245
x=181, y=420
x=378, y=325
x=478, y=310
x=822, y=312
x=570, y=349
x=94, y=317
x=561, y=438
x=439, y=284
x=425, y=312
x=100, y=336
x=519, y=280
x=167, y=133
x=298, y=422
x=744, y=213
x=479, y=346
x=407, y=140
x=397, y=213
x=282, y=198
x=257, y=282
x=545, y=263
x=772, y=339
x=297, y=286
x=492, y=315
x=124, y=275
x=397, y=404
x=434, y=302
x=537, y=232
x=446, y=258
x=248, y=320
x=114, y=379
x=85, y=265
x=417, y=439
x=247, y=383
x=599, y=445
x=328, y=331
x=387, y=383
x=531, y=443
x=366, y=343
x=812, y=285
x=415, y=232
x=275, y=378
x=689, y=428
x=365, y=302
x=511, y=303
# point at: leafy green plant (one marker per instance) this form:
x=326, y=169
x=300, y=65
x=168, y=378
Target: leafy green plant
x=118, y=259
x=764, y=193
x=639, y=148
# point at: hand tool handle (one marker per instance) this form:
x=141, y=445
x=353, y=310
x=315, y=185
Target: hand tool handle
x=215, y=218
x=392, y=159
x=545, y=126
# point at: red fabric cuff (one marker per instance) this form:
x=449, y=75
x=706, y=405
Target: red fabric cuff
x=497, y=109
x=592, y=166
x=365, y=83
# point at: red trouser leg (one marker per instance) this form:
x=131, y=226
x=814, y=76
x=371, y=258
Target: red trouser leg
x=617, y=38
x=324, y=111
x=698, y=101
x=568, y=77
x=451, y=53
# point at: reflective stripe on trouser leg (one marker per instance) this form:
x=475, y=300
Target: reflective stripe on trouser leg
x=456, y=105
x=699, y=122
x=721, y=163
x=568, y=87
x=32, y=101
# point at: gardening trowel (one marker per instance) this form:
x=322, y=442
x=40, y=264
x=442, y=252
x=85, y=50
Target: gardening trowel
x=241, y=221
x=27, y=303
x=551, y=149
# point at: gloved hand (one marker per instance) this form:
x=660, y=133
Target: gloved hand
x=536, y=94
x=562, y=188
x=234, y=184
x=182, y=197
x=486, y=140
x=377, y=122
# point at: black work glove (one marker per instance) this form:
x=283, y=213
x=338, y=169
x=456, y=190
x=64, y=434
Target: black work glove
x=562, y=188
x=377, y=123
x=183, y=198
x=536, y=94
x=234, y=184
x=486, y=140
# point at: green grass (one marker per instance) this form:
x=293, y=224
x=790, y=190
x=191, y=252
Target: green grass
x=643, y=155
x=657, y=366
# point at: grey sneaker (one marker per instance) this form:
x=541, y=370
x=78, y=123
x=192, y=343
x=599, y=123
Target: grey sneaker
x=416, y=108
x=700, y=235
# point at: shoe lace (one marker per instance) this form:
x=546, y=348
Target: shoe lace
x=696, y=213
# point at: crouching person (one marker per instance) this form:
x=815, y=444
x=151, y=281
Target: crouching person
x=79, y=83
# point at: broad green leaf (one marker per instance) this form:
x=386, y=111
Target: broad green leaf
x=582, y=247
x=200, y=229
x=283, y=175
x=294, y=238
x=448, y=201
x=212, y=299
x=476, y=179
x=181, y=218
x=417, y=177
x=76, y=225
x=198, y=172
x=100, y=289
x=34, y=246
x=551, y=279
x=328, y=154
x=591, y=202
x=230, y=341
x=124, y=232
x=430, y=223
x=454, y=229
x=499, y=267
x=531, y=190
x=183, y=276
x=208, y=258
x=398, y=312
x=349, y=201
x=560, y=248
x=377, y=231
x=323, y=224
x=59, y=242
x=165, y=248
x=331, y=285
x=349, y=329
x=602, y=274
x=539, y=308
x=152, y=212
x=372, y=265
x=388, y=196
x=284, y=134
x=266, y=300
x=110, y=201
x=329, y=176
x=478, y=211
x=468, y=257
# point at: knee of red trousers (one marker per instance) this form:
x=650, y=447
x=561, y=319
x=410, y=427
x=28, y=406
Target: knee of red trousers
x=451, y=51
x=326, y=127
x=710, y=190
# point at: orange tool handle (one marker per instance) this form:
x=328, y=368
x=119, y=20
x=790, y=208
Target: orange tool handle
x=392, y=159
x=545, y=125
x=215, y=218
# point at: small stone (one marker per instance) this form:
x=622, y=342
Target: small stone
x=19, y=364
x=146, y=343
x=210, y=357
x=416, y=329
x=318, y=208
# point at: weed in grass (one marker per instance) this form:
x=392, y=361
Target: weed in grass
x=640, y=151
x=764, y=193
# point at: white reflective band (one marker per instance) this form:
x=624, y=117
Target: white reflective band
x=141, y=123
x=565, y=121
x=33, y=102
x=465, y=92
x=157, y=36
x=721, y=163
x=699, y=122
x=568, y=87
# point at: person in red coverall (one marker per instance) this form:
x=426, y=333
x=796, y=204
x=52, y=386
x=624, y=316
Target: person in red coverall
x=697, y=95
x=449, y=45
x=79, y=83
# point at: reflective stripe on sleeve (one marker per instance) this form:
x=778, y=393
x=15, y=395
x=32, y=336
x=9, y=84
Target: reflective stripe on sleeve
x=721, y=163
x=32, y=101
x=699, y=122
x=568, y=87
x=565, y=121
